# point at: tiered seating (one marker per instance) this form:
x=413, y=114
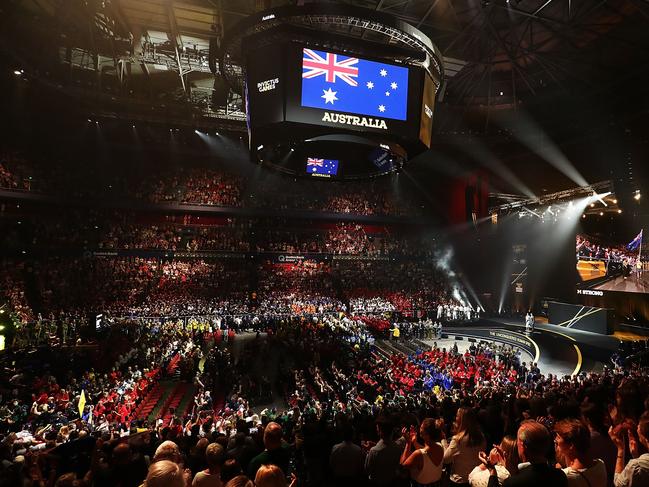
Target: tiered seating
x=187, y=402
x=149, y=402
x=172, y=403
x=173, y=364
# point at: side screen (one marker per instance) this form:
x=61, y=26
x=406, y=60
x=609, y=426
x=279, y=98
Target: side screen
x=604, y=266
x=265, y=85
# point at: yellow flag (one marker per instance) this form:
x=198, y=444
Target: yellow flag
x=82, y=402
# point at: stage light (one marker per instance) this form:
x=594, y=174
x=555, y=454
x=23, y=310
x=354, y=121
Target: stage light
x=592, y=205
x=619, y=211
x=584, y=215
x=601, y=213
x=18, y=72
x=637, y=196
x=615, y=201
x=601, y=197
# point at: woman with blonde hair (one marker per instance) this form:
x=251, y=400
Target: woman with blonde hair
x=504, y=457
x=166, y=473
x=424, y=463
x=465, y=446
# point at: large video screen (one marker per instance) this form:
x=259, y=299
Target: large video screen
x=607, y=266
x=334, y=89
x=352, y=85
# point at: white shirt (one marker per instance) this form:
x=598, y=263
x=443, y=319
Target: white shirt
x=594, y=476
x=479, y=477
x=635, y=474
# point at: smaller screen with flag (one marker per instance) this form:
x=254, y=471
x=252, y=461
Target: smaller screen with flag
x=353, y=85
x=321, y=167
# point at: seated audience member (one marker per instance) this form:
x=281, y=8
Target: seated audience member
x=572, y=445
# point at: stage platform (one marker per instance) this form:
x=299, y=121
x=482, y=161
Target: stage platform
x=559, y=350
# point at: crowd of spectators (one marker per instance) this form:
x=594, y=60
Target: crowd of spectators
x=590, y=250
x=355, y=416
x=200, y=184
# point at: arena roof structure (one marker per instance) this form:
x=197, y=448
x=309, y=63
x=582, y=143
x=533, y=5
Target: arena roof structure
x=156, y=60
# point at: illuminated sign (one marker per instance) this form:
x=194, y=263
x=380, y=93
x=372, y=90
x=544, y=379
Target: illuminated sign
x=267, y=85
x=374, y=123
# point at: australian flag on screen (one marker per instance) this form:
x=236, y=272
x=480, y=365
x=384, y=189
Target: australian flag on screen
x=321, y=166
x=352, y=85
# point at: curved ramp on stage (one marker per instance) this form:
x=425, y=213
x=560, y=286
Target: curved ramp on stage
x=559, y=350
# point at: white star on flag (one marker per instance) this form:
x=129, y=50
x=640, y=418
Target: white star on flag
x=381, y=108
x=329, y=96
x=383, y=72
x=387, y=93
x=393, y=85
x=370, y=85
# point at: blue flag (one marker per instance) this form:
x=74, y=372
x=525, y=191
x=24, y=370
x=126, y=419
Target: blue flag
x=353, y=85
x=636, y=242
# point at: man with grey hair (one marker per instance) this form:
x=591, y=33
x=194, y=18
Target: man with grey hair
x=534, y=443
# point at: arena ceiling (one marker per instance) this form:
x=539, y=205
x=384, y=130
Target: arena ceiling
x=496, y=51
x=551, y=59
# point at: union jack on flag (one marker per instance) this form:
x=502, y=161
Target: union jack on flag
x=312, y=161
x=330, y=67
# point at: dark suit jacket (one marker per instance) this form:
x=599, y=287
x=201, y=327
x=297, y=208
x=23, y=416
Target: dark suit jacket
x=534, y=475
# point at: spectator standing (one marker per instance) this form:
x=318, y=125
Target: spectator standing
x=382, y=461
x=572, y=444
x=347, y=460
x=275, y=453
x=636, y=472
x=211, y=477
x=533, y=443
x=425, y=462
x=462, y=451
